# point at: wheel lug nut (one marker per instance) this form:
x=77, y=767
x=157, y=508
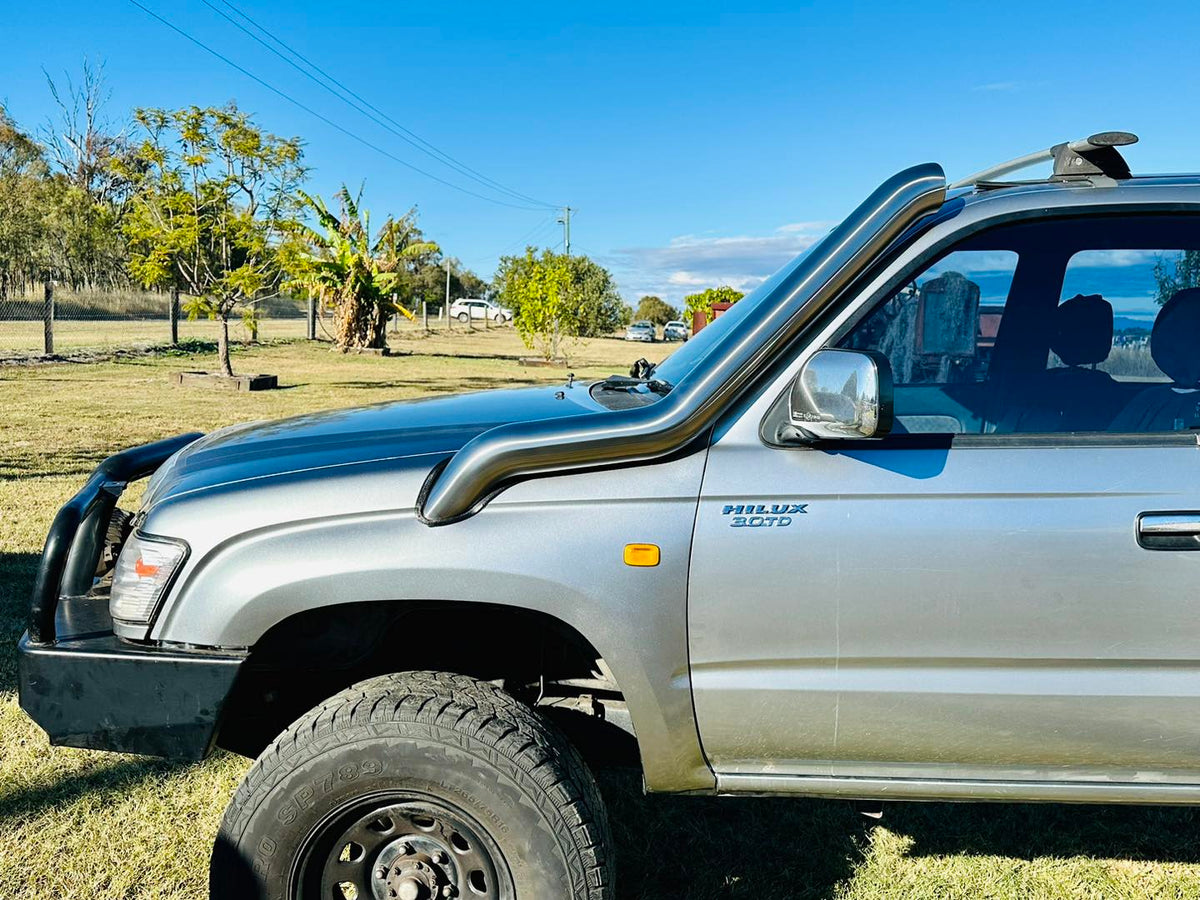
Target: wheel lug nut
x=405, y=849
x=381, y=873
x=440, y=857
x=449, y=891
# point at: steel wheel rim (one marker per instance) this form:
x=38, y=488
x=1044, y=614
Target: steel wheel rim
x=400, y=846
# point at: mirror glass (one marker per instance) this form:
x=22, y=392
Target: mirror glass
x=843, y=394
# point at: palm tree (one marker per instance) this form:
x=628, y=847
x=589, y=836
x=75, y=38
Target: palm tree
x=356, y=276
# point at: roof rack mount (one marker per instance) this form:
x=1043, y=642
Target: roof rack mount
x=1095, y=155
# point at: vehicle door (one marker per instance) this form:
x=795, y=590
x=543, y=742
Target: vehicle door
x=1002, y=588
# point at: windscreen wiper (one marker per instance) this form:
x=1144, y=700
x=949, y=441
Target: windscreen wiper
x=621, y=382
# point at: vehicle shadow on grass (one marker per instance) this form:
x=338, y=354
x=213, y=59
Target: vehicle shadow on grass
x=697, y=848
x=16, y=582
x=1030, y=831
x=116, y=778
x=702, y=847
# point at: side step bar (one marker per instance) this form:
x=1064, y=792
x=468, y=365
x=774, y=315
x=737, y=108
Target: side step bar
x=935, y=789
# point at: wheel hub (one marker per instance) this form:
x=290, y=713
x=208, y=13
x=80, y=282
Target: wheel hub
x=402, y=849
x=415, y=867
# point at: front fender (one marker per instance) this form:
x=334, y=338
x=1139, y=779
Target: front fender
x=553, y=545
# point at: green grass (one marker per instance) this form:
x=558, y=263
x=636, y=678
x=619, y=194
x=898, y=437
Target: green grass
x=76, y=824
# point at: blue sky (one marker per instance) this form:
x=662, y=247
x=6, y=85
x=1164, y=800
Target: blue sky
x=700, y=145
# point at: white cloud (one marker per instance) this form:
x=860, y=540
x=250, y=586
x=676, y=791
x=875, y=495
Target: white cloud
x=693, y=262
x=1114, y=258
x=998, y=86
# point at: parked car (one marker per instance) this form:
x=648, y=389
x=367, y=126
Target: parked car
x=676, y=330
x=642, y=331
x=821, y=550
x=472, y=308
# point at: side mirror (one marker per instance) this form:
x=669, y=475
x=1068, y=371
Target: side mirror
x=843, y=394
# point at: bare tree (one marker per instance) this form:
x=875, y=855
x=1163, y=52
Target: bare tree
x=82, y=143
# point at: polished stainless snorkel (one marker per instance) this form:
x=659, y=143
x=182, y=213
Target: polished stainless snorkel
x=522, y=449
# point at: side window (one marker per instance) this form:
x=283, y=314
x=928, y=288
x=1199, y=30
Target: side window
x=941, y=327
x=1148, y=347
x=939, y=333
x=1127, y=280
x=1070, y=325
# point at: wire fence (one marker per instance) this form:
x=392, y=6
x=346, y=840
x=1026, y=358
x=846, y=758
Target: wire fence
x=45, y=320
x=51, y=319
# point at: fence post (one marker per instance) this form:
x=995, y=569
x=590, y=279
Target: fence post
x=312, y=317
x=425, y=316
x=174, y=314
x=48, y=314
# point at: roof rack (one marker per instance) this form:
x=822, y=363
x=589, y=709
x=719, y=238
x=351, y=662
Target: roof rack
x=1095, y=155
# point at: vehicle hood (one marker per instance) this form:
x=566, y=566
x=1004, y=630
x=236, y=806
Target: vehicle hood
x=429, y=428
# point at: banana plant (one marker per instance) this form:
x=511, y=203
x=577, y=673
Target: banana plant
x=360, y=278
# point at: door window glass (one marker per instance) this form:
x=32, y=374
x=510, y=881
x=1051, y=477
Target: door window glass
x=1136, y=283
x=941, y=327
x=1069, y=325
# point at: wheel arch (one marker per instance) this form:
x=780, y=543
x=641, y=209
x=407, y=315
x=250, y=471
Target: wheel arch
x=314, y=653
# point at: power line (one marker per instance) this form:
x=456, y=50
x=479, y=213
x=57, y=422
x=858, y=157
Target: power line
x=372, y=112
x=525, y=239
x=312, y=112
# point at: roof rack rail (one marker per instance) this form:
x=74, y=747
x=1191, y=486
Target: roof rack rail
x=1095, y=155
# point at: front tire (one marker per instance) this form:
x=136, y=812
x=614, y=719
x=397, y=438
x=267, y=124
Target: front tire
x=464, y=317
x=423, y=783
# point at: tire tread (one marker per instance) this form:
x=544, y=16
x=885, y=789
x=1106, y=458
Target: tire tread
x=513, y=737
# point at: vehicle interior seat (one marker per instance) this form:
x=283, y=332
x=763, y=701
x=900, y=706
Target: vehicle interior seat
x=1175, y=348
x=1075, y=396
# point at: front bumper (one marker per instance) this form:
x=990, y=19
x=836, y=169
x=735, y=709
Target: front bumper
x=94, y=690
x=81, y=683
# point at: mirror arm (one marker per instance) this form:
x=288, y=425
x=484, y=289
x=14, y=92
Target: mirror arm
x=789, y=434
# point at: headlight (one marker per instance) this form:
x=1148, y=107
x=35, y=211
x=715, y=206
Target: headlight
x=143, y=573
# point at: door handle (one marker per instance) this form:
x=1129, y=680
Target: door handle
x=1169, y=531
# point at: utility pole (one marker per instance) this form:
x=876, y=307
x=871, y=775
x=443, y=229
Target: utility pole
x=565, y=221
x=447, y=306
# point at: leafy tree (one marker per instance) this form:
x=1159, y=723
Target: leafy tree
x=598, y=307
x=540, y=292
x=704, y=300
x=656, y=310
x=23, y=179
x=357, y=275
x=580, y=299
x=1181, y=273
x=214, y=199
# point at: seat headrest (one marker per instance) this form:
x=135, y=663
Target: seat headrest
x=1083, y=330
x=1175, y=338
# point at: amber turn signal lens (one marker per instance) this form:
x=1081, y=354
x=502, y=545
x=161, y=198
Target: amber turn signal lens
x=641, y=554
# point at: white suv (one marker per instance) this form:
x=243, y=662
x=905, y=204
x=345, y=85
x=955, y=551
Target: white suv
x=473, y=308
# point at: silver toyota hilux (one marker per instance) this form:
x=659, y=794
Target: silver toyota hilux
x=915, y=519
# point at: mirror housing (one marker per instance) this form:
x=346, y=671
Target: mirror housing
x=843, y=395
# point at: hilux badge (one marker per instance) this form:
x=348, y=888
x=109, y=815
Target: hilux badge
x=762, y=515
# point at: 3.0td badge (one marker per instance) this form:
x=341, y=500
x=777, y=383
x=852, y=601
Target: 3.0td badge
x=762, y=515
